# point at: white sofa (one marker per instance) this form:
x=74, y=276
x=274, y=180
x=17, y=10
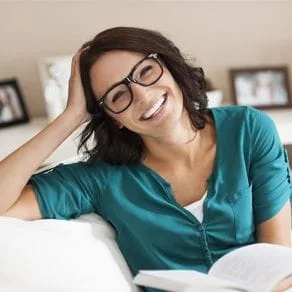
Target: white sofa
x=58, y=256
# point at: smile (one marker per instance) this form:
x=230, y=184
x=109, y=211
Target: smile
x=155, y=109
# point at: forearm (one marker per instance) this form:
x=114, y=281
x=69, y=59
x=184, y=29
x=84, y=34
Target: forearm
x=284, y=285
x=17, y=168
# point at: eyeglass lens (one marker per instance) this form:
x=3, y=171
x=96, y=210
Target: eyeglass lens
x=146, y=73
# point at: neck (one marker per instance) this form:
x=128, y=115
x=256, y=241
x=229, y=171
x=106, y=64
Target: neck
x=179, y=147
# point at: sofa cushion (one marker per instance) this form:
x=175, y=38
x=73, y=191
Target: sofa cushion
x=56, y=255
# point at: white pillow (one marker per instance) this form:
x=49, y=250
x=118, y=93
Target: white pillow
x=57, y=255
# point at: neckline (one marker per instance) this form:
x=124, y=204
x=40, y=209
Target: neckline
x=197, y=203
x=216, y=159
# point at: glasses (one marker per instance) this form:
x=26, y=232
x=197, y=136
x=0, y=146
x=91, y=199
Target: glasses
x=120, y=96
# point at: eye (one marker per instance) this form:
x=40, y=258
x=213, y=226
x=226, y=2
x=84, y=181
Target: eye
x=145, y=71
x=118, y=95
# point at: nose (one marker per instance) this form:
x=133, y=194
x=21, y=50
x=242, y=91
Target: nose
x=140, y=93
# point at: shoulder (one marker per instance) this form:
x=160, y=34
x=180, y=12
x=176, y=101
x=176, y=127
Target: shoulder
x=234, y=111
x=244, y=117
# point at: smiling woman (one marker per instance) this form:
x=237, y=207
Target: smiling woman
x=172, y=85
x=157, y=150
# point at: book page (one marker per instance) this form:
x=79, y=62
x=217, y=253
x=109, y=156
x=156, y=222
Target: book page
x=258, y=266
x=179, y=280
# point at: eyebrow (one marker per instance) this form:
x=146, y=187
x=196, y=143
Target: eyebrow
x=122, y=80
x=114, y=85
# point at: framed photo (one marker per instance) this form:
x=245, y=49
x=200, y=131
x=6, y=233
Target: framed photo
x=12, y=107
x=261, y=87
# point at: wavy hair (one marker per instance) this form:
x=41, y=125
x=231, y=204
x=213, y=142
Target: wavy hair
x=109, y=143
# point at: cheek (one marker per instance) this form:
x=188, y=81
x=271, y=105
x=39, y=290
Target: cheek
x=123, y=118
x=127, y=120
x=169, y=82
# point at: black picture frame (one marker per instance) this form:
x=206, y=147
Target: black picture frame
x=12, y=107
x=261, y=87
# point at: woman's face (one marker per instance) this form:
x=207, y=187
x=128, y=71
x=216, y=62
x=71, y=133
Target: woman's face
x=154, y=109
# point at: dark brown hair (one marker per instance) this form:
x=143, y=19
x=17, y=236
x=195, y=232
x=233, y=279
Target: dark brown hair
x=122, y=146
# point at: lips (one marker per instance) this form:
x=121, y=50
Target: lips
x=155, y=108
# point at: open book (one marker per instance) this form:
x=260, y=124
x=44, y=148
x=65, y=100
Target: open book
x=254, y=268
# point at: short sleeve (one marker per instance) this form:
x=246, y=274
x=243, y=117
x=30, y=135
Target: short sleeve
x=67, y=191
x=269, y=168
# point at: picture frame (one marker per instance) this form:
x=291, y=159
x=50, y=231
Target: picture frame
x=261, y=87
x=12, y=107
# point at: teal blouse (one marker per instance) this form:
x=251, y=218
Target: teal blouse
x=249, y=184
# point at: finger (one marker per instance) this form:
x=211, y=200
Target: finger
x=72, y=66
x=79, y=52
x=76, y=57
x=75, y=61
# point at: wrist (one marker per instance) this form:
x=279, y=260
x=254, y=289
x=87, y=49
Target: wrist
x=72, y=117
x=77, y=118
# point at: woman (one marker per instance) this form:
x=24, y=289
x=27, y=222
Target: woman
x=181, y=184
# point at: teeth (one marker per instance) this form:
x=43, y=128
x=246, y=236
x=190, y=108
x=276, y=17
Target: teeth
x=154, y=108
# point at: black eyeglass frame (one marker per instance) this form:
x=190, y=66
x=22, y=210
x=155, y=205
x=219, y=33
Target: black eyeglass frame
x=127, y=80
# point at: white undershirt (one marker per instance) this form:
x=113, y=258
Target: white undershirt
x=196, y=208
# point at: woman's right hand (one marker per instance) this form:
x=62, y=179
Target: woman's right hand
x=76, y=103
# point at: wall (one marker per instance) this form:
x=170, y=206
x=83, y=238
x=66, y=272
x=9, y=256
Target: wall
x=218, y=35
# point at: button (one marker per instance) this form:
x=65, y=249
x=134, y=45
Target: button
x=208, y=257
x=201, y=227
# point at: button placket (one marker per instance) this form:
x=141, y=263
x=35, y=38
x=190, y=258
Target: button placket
x=206, y=250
